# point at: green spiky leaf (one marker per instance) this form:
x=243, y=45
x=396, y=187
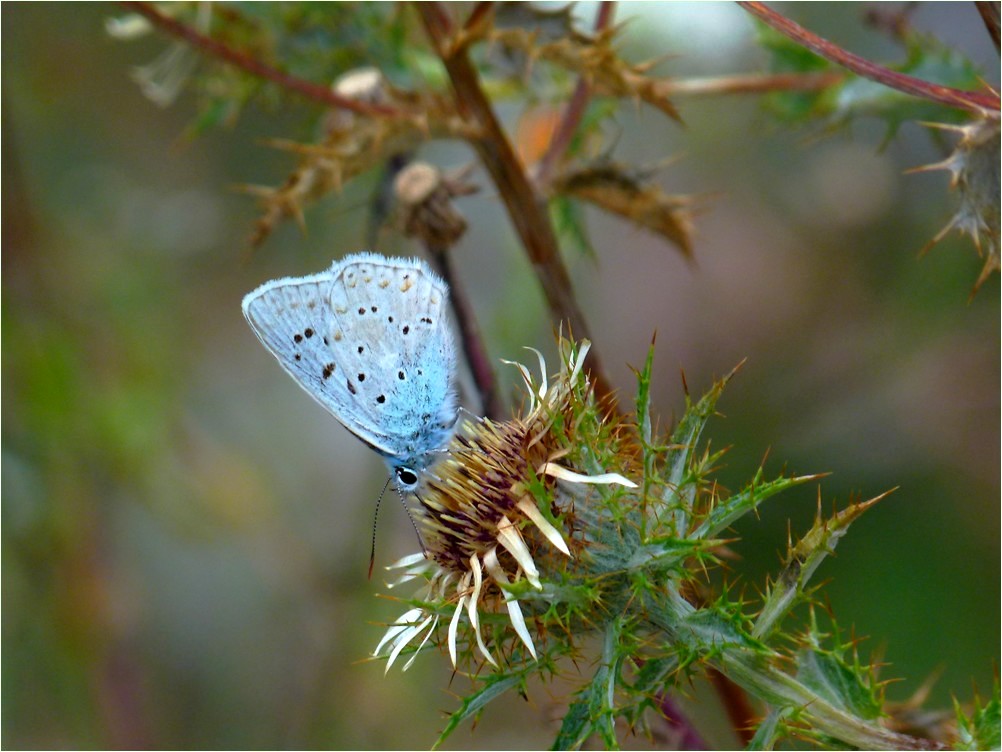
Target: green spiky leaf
x=802, y=561
x=770, y=731
x=839, y=683
x=494, y=686
x=981, y=729
x=728, y=511
x=593, y=710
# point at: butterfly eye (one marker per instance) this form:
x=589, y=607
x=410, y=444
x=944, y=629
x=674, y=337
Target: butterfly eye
x=407, y=478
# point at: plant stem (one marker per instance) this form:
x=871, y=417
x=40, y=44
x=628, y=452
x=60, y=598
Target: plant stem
x=527, y=209
x=968, y=100
x=469, y=331
x=990, y=15
x=753, y=83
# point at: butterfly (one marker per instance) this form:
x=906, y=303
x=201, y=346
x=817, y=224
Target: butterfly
x=370, y=340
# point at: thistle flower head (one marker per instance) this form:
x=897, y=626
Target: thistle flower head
x=483, y=524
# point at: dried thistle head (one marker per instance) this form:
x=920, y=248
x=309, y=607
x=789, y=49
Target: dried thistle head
x=424, y=194
x=498, y=518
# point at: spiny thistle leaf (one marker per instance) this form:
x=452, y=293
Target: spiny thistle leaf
x=974, y=169
x=643, y=404
x=839, y=683
x=980, y=729
x=679, y=493
x=591, y=56
x=726, y=512
x=686, y=435
x=494, y=686
x=856, y=97
x=652, y=676
x=632, y=194
x=770, y=731
x=801, y=562
x=658, y=555
x=594, y=711
x=928, y=61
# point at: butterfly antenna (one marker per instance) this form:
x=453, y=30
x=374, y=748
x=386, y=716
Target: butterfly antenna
x=413, y=521
x=375, y=519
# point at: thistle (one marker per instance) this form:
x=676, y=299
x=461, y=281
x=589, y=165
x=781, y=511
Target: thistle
x=494, y=507
x=571, y=521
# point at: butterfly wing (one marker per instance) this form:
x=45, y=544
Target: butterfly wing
x=391, y=334
x=369, y=340
x=292, y=318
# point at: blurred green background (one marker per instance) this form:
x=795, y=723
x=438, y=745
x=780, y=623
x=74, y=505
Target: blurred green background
x=185, y=534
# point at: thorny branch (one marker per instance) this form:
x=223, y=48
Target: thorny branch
x=527, y=209
x=968, y=100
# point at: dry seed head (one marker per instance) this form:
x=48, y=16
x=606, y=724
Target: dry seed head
x=481, y=524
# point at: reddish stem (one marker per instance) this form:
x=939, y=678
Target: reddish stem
x=968, y=100
x=736, y=704
x=469, y=331
x=575, y=108
x=255, y=67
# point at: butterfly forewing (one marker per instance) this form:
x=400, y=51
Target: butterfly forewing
x=292, y=317
x=370, y=340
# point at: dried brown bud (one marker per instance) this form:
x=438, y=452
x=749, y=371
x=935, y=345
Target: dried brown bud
x=363, y=84
x=425, y=195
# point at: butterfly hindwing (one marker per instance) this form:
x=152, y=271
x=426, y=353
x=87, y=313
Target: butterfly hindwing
x=390, y=329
